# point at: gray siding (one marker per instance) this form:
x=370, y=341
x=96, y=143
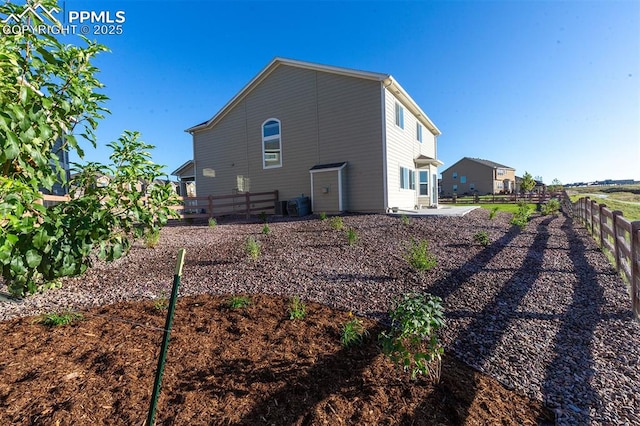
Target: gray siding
x=324, y=118
x=328, y=201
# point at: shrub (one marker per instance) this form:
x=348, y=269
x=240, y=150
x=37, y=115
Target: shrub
x=352, y=236
x=412, y=341
x=337, y=223
x=252, y=248
x=297, y=308
x=213, y=222
x=482, y=238
x=161, y=303
x=552, y=207
x=493, y=212
x=353, y=332
x=521, y=216
x=418, y=256
x=404, y=218
x=58, y=319
x=265, y=229
x=151, y=238
x=323, y=216
x=238, y=302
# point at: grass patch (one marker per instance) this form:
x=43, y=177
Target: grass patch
x=238, y=302
x=509, y=208
x=297, y=308
x=59, y=319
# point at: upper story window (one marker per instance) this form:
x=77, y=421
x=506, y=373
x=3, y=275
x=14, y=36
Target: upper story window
x=399, y=116
x=501, y=172
x=271, y=144
x=455, y=175
x=419, y=132
x=463, y=179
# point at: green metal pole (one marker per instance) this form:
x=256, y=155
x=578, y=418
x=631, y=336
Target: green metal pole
x=165, y=337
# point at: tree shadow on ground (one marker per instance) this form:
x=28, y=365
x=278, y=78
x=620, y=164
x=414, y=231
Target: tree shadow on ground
x=480, y=338
x=567, y=382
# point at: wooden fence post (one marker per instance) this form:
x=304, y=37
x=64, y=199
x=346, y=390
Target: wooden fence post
x=635, y=268
x=616, y=214
x=210, y=206
x=600, y=227
x=247, y=200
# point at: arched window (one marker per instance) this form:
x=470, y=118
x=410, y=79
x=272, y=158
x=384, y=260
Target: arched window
x=271, y=144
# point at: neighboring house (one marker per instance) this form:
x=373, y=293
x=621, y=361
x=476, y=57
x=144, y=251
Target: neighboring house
x=187, y=179
x=351, y=140
x=477, y=176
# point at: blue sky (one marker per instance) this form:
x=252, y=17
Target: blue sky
x=552, y=88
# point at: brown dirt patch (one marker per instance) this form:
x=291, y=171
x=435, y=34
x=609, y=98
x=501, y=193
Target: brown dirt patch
x=247, y=366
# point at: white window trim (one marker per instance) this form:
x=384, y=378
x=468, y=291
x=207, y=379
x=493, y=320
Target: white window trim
x=411, y=177
x=419, y=132
x=268, y=138
x=420, y=183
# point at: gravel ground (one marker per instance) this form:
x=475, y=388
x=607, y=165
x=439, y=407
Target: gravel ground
x=540, y=310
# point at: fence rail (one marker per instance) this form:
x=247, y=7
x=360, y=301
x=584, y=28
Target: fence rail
x=207, y=207
x=498, y=198
x=220, y=205
x=615, y=235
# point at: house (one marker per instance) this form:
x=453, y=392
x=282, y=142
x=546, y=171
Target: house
x=186, y=178
x=350, y=140
x=477, y=176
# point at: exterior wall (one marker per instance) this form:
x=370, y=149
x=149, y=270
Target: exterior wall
x=324, y=118
x=402, y=147
x=328, y=201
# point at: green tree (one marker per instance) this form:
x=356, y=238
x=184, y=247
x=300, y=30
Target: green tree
x=556, y=185
x=528, y=183
x=49, y=92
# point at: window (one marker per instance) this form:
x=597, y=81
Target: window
x=271, y=144
x=463, y=179
x=499, y=185
x=399, y=116
x=472, y=186
x=455, y=188
x=407, y=178
x=455, y=175
x=500, y=172
x=419, y=132
x=424, y=182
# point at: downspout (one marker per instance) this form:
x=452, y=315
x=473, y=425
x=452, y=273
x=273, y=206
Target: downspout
x=385, y=189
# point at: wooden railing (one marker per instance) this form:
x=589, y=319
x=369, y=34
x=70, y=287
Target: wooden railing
x=615, y=235
x=220, y=205
x=211, y=206
x=498, y=198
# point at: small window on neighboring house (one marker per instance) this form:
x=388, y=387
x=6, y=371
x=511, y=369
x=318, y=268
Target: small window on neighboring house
x=271, y=144
x=455, y=175
x=463, y=179
x=407, y=178
x=472, y=186
x=455, y=188
x=500, y=172
x=399, y=116
x=419, y=132
x=499, y=185
x=424, y=182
